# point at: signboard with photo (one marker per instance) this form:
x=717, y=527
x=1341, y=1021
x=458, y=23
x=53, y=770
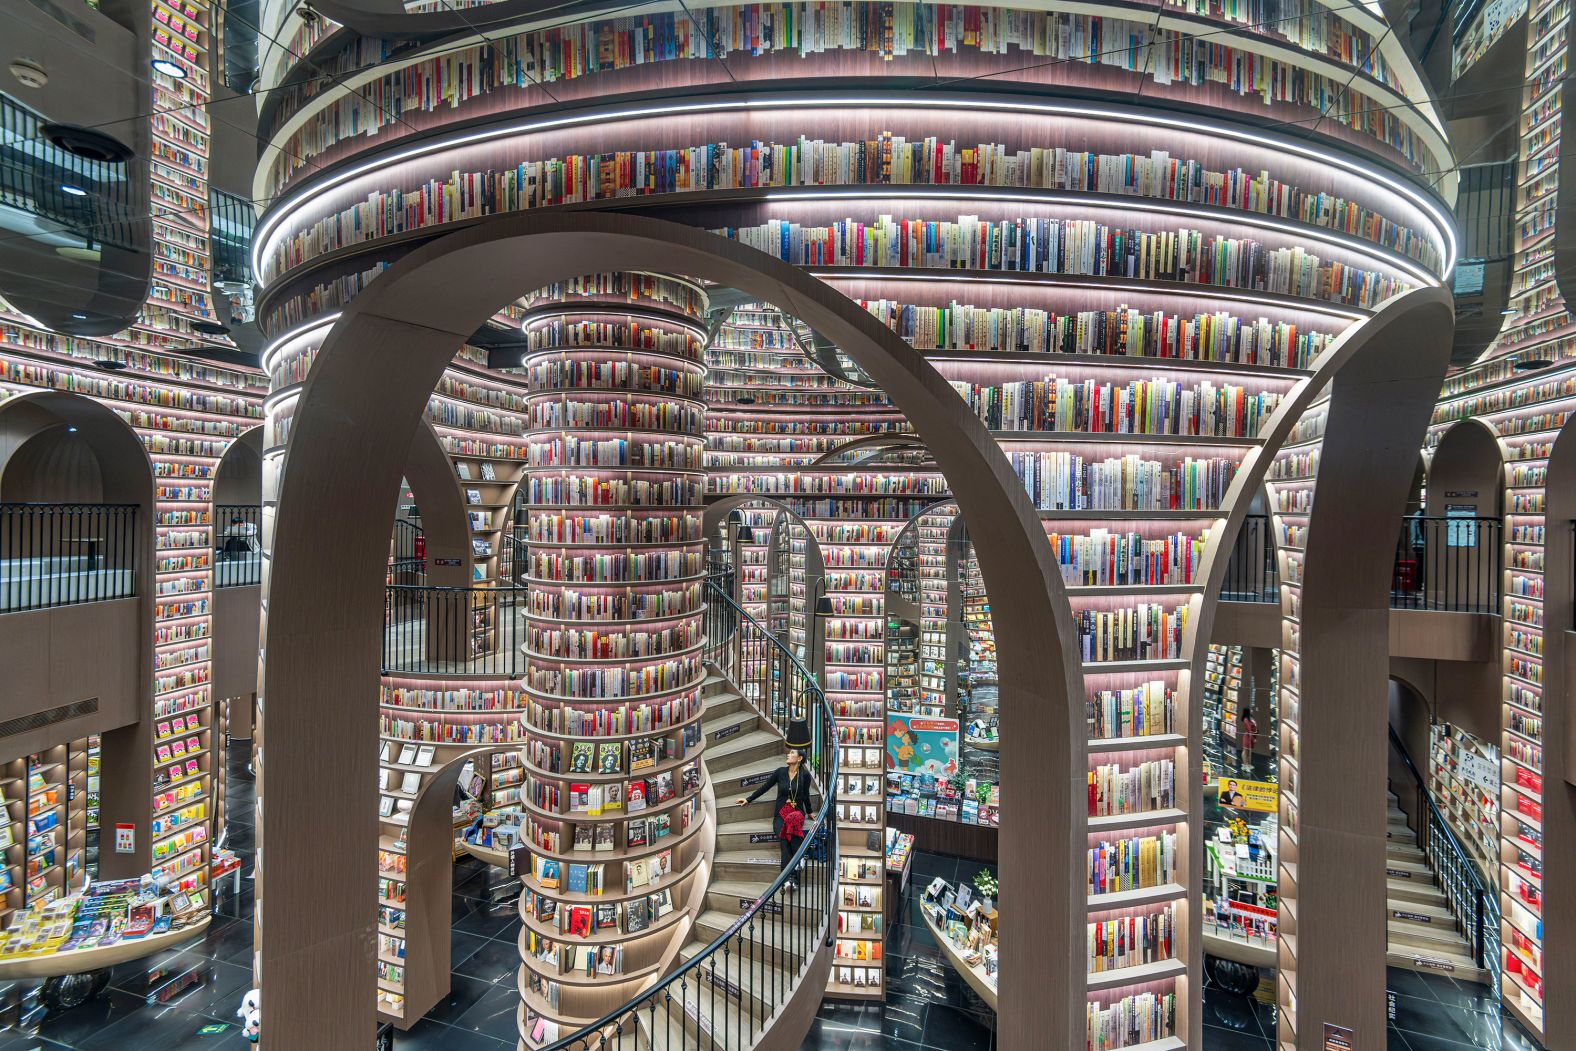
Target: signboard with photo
x=1261, y=796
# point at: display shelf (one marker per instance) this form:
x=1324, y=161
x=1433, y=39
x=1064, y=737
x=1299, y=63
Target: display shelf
x=623, y=350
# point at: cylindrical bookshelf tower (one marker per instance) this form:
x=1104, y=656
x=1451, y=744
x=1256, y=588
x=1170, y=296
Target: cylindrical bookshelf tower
x=613, y=795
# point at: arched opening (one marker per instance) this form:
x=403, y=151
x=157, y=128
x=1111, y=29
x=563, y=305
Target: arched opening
x=76, y=542
x=237, y=574
x=1366, y=407
x=318, y=961
x=1452, y=550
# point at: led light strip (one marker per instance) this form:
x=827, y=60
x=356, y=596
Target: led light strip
x=264, y=236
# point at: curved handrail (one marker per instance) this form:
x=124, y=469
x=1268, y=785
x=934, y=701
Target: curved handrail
x=738, y=643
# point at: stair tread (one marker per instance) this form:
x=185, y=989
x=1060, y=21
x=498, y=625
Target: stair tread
x=741, y=888
x=752, y=976
x=718, y=751
x=720, y=918
x=1438, y=912
x=710, y=724
x=764, y=765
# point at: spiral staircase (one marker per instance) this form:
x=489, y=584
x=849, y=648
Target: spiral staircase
x=754, y=969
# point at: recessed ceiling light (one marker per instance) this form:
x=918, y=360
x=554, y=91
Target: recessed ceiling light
x=169, y=69
x=1507, y=312
x=71, y=430
x=80, y=317
x=75, y=191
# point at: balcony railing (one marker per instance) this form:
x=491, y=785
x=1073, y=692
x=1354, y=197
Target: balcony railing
x=407, y=553
x=237, y=545
x=453, y=631
x=1251, y=575
x=1449, y=563
x=65, y=554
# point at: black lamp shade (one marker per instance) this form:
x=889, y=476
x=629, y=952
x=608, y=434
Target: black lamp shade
x=746, y=534
x=823, y=606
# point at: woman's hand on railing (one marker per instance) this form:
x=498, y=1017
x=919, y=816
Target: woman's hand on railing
x=741, y=801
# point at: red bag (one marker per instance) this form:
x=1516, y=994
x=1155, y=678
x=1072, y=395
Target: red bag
x=793, y=822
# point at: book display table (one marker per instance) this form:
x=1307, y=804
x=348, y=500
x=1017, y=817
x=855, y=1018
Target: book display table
x=74, y=976
x=973, y=973
x=964, y=926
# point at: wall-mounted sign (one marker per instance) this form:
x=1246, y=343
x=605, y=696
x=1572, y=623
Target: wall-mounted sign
x=1338, y=1038
x=125, y=839
x=445, y=561
x=1462, y=533
x=1479, y=771
x=1468, y=278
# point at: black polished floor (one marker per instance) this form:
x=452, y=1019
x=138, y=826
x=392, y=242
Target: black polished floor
x=185, y=999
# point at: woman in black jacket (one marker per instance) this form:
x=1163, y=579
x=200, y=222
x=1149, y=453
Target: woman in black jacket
x=792, y=782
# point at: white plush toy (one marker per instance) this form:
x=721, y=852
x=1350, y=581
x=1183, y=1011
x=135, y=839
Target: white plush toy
x=251, y=1016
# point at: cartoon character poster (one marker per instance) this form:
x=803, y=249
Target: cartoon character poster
x=917, y=745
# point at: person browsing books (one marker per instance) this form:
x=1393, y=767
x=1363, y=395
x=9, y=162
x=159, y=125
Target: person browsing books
x=792, y=808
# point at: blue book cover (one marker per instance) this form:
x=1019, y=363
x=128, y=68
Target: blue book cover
x=577, y=879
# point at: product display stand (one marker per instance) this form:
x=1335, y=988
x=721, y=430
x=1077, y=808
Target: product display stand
x=965, y=934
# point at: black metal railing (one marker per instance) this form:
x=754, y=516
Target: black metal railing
x=1448, y=563
x=66, y=554
x=1469, y=895
x=237, y=545
x=514, y=560
x=1251, y=575
x=729, y=993
x=93, y=198
x=453, y=631
x=407, y=553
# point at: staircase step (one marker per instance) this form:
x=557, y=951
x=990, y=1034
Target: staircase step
x=728, y=724
x=759, y=862
x=676, y=1027
x=724, y=895
x=725, y=702
x=726, y=779
x=743, y=748
x=742, y=978
x=1402, y=890
x=1399, y=851
x=1438, y=915
x=1453, y=964
x=1407, y=936
x=1419, y=869
x=739, y=835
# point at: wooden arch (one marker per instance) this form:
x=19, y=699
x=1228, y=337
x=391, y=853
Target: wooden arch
x=1382, y=378
x=371, y=379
